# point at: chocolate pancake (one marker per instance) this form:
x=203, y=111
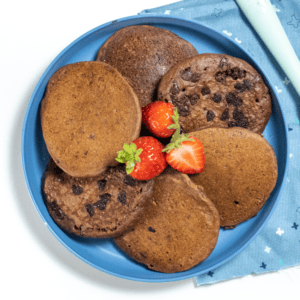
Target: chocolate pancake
x=88, y=113
x=240, y=172
x=179, y=228
x=143, y=54
x=100, y=207
x=217, y=90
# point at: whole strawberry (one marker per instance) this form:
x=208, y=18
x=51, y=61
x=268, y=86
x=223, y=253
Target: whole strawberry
x=144, y=158
x=185, y=154
x=161, y=118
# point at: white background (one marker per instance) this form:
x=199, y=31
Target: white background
x=33, y=263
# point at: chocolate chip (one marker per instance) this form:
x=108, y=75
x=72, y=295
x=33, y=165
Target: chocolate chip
x=243, y=123
x=240, y=119
x=241, y=73
x=183, y=106
x=194, y=99
x=129, y=180
x=232, y=99
x=121, y=167
x=205, y=90
x=151, y=229
x=183, y=112
x=217, y=98
x=238, y=115
x=225, y=115
x=186, y=74
x=104, y=199
x=90, y=209
x=59, y=214
x=102, y=184
x=234, y=73
x=174, y=88
x=220, y=76
x=210, y=115
x=184, y=100
x=122, y=197
x=240, y=87
x=77, y=190
x=232, y=124
x=195, y=77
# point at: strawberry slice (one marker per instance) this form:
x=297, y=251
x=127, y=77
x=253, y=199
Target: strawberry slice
x=144, y=158
x=161, y=118
x=185, y=154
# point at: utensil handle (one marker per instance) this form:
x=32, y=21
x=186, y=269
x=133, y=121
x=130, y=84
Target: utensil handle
x=263, y=18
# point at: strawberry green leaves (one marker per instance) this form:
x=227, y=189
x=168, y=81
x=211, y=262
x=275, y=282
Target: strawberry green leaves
x=177, y=138
x=130, y=156
x=176, y=141
x=144, y=158
x=175, y=119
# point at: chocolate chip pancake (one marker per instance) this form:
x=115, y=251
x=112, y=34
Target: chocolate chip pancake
x=240, y=172
x=143, y=54
x=89, y=111
x=100, y=207
x=217, y=90
x=178, y=230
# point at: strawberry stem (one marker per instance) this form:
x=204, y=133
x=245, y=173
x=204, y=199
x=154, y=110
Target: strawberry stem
x=175, y=119
x=176, y=141
x=177, y=138
x=129, y=156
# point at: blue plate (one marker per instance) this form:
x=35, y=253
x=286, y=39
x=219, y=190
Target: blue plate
x=103, y=254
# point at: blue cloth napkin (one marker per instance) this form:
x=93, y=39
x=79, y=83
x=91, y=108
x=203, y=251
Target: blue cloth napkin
x=278, y=245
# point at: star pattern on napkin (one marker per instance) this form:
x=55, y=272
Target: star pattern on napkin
x=263, y=265
x=286, y=81
x=267, y=249
x=210, y=273
x=295, y=226
x=294, y=21
x=279, y=232
x=216, y=12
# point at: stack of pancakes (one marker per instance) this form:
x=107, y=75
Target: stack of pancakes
x=170, y=223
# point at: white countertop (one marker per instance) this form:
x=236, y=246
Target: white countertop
x=33, y=263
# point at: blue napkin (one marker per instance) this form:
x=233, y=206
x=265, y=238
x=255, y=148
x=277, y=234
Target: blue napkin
x=277, y=246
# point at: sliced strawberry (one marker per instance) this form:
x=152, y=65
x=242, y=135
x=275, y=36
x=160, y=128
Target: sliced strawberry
x=144, y=158
x=161, y=118
x=185, y=154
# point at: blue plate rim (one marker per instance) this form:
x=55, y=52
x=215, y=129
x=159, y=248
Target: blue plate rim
x=144, y=20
